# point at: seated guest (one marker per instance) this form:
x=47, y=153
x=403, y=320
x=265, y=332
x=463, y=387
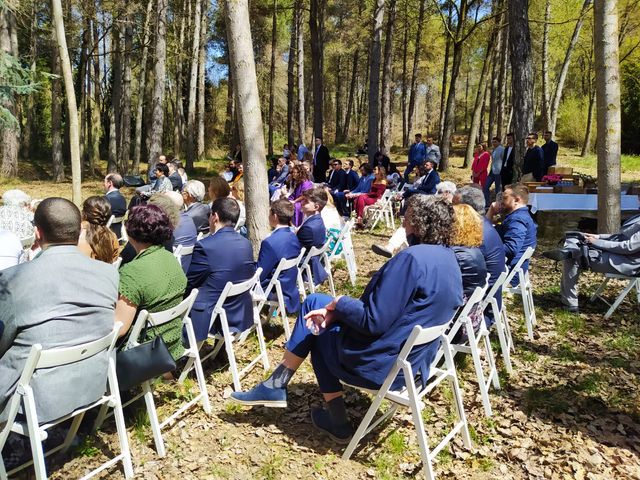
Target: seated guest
x=492, y=247
x=312, y=232
x=330, y=216
x=618, y=253
x=446, y=190
x=151, y=174
x=429, y=179
x=238, y=172
x=282, y=172
x=300, y=184
x=378, y=188
x=218, y=188
x=237, y=193
x=466, y=242
x=302, y=150
x=193, y=193
x=60, y=299
x=183, y=174
x=162, y=183
x=229, y=171
x=224, y=256
x=364, y=185
x=337, y=181
x=307, y=164
x=272, y=173
x=15, y=215
x=518, y=230
x=184, y=229
x=11, y=251
x=153, y=280
x=174, y=176
x=112, y=185
x=352, y=175
x=96, y=240
x=357, y=341
x=286, y=151
x=282, y=243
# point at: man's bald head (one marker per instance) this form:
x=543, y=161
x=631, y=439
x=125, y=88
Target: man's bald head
x=58, y=221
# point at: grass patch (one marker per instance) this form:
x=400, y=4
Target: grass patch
x=618, y=362
x=568, y=322
x=567, y=353
x=396, y=443
x=545, y=399
x=232, y=408
x=590, y=383
x=528, y=356
x=624, y=340
x=271, y=469
x=87, y=447
x=140, y=424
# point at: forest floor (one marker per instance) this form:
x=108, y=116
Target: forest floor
x=571, y=408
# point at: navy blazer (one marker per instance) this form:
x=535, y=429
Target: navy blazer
x=550, y=150
x=224, y=256
x=118, y=209
x=199, y=212
x=506, y=174
x=428, y=186
x=352, y=179
x=534, y=163
x=313, y=233
x=337, y=180
x=282, y=243
x=518, y=232
x=472, y=267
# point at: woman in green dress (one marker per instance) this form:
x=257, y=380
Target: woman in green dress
x=153, y=280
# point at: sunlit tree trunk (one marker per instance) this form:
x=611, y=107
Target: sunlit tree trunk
x=316, y=26
x=141, y=90
x=272, y=76
x=9, y=133
x=157, y=108
x=300, y=70
x=546, y=112
x=193, y=88
x=56, y=119
x=291, y=79
x=414, y=74
x=202, y=68
x=386, y=111
x=374, y=79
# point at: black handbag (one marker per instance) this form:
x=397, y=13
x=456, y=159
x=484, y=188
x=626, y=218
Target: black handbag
x=143, y=362
x=133, y=181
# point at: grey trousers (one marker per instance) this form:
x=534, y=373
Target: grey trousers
x=598, y=262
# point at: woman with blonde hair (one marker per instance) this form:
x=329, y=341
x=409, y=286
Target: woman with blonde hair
x=96, y=239
x=467, y=238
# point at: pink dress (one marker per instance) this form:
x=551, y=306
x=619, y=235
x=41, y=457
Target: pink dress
x=479, y=168
x=377, y=189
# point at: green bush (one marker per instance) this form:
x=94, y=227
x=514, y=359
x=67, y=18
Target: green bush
x=572, y=121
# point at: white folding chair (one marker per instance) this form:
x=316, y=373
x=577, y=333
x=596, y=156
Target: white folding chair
x=344, y=240
x=23, y=398
x=117, y=263
x=227, y=338
x=500, y=321
x=412, y=397
x=202, y=235
x=631, y=283
x=524, y=289
x=277, y=305
x=180, y=251
x=305, y=267
x=191, y=352
x=382, y=210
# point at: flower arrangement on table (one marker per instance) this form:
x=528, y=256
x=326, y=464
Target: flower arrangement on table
x=552, y=179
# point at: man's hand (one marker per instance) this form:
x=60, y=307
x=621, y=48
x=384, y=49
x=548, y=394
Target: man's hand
x=494, y=209
x=589, y=238
x=321, y=318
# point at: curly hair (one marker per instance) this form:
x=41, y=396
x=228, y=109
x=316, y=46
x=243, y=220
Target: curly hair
x=299, y=174
x=96, y=212
x=431, y=218
x=467, y=226
x=149, y=224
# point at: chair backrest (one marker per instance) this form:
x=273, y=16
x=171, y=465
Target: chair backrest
x=284, y=265
x=420, y=336
x=182, y=250
x=110, y=221
x=177, y=251
x=518, y=266
x=314, y=252
x=119, y=219
x=472, y=303
x=202, y=236
x=160, y=318
x=346, y=230
x=117, y=263
x=235, y=289
x=494, y=289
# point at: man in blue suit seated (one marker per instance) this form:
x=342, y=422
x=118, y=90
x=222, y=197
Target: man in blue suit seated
x=337, y=181
x=312, y=232
x=357, y=340
x=363, y=187
x=224, y=256
x=517, y=230
x=282, y=243
x=352, y=175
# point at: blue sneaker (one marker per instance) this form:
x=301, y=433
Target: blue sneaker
x=322, y=421
x=261, y=395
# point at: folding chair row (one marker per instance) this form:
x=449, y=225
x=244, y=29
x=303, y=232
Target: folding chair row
x=524, y=289
x=383, y=210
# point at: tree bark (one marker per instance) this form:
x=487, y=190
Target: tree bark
x=10, y=133
x=249, y=119
x=115, y=113
x=291, y=79
x=202, y=69
x=179, y=119
x=374, y=79
x=449, y=114
x=26, y=137
x=472, y=140
x=445, y=73
x=272, y=76
x=586, y=144
x=157, y=109
x=387, y=83
x=565, y=66
x=300, y=71
x=608, y=114
x=125, y=122
x=338, y=98
x=141, y=90
x=414, y=74
x=193, y=88
x=316, y=26
x=521, y=79
x=95, y=99
x=352, y=94
x=403, y=88
x=56, y=119
x=546, y=113
x=502, y=80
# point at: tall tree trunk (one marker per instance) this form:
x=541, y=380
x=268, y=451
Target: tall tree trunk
x=299, y=12
x=502, y=79
x=608, y=114
x=10, y=133
x=557, y=96
x=387, y=82
x=26, y=138
x=80, y=84
x=157, y=109
x=445, y=73
x=403, y=88
x=249, y=119
x=449, y=114
x=115, y=112
x=546, y=113
x=291, y=79
x=202, y=69
x=95, y=99
x=141, y=90
x=521, y=79
x=352, y=93
x=179, y=119
x=374, y=79
x=272, y=76
x=56, y=119
x=414, y=74
x=193, y=88
x=316, y=26
x=586, y=144
x=338, y=98
x=125, y=122
x=72, y=117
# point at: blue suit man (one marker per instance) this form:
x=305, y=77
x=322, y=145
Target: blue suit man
x=112, y=185
x=282, y=243
x=224, y=256
x=417, y=156
x=352, y=177
x=312, y=232
x=363, y=186
x=427, y=186
x=337, y=178
x=185, y=234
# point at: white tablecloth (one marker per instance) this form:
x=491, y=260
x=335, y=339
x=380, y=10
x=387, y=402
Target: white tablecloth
x=575, y=201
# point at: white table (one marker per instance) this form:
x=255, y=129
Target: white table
x=575, y=201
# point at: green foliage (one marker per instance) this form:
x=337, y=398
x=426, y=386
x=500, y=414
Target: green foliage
x=15, y=80
x=572, y=121
x=630, y=103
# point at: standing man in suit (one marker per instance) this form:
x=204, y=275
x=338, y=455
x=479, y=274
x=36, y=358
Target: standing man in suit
x=497, y=155
x=417, y=155
x=550, y=149
x=193, y=193
x=282, y=243
x=312, y=232
x=506, y=174
x=81, y=310
x=533, y=166
x=338, y=177
x=432, y=151
x=617, y=253
x=224, y=256
x=321, y=160
x=112, y=185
